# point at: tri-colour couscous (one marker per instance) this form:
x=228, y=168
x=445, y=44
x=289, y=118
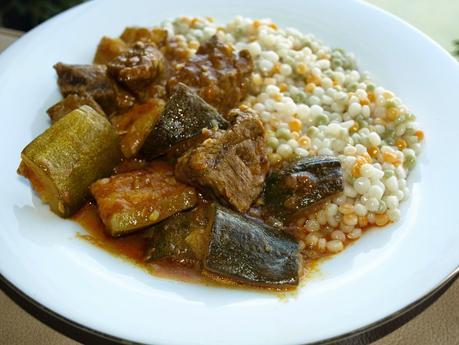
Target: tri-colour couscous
x=313, y=100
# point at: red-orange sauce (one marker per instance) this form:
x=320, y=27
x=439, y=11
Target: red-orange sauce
x=132, y=247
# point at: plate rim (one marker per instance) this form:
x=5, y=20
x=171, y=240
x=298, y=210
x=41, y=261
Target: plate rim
x=366, y=332
x=369, y=333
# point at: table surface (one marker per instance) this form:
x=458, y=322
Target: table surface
x=438, y=324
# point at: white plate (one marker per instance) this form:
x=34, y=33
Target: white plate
x=382, y=273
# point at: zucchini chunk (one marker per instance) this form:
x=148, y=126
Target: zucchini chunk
x=74, y=152
x=249, y=252
x=301, y=184
x=135, y=125
x=133, y=200
x=182, y=238
x=184, y=117
x=108, y=49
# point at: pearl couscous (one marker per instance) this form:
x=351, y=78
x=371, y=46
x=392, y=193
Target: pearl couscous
x=313, y=100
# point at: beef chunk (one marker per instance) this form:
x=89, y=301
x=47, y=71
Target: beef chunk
x=184, y=117
x=233, y=164
x=72, y=102
x=92, y=80
x=217, y=73
x=138, y=67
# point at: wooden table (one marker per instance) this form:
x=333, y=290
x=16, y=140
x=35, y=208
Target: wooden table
x=438, y=324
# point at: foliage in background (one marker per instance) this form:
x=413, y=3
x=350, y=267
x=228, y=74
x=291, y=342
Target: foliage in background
x=25, y=14
x=456, y=48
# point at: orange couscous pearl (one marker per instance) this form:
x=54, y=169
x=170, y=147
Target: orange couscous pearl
x=295, y=125
x=401, y=143
x=420, y=135
x=391, y=158
x=392, y=113
x=373, y=151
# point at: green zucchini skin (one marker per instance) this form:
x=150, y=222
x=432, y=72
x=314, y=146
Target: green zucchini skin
x=249, y=252
x=184, y=117
x=75, y=151
x=301, y=184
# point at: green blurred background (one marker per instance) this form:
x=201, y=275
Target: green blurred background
x=437, y=18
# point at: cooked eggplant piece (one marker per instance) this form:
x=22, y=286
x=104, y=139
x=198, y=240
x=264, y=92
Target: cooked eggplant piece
x=136, y=199
x=108, y=49
x=182, y=238
x=185, y=116
x=301, y=184
x=250, y=252
x=74, y=152
x=135, y=125
x=94, y=81
x=72, y=102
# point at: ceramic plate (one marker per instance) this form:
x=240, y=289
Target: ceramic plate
x=379, y=275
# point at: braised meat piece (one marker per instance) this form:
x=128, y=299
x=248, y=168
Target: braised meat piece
x=233, y=164
x=72, y=102
x=217, y=73
x=92, y=80
x=138, y=67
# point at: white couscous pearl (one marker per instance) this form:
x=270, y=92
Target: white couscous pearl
x=360, y=210
x=376, y=192
x=362, y=185
x=372, y=204
x=354, y=109
x=284, y=150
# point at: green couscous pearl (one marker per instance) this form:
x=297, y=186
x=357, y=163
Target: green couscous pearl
x=388, y=173
x=321, y=120
x=312, y=131
x=409, y=162
x=300, y=97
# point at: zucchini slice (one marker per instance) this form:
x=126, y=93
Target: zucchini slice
x=130, y=201
x=135, y=125
x=63, y=161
